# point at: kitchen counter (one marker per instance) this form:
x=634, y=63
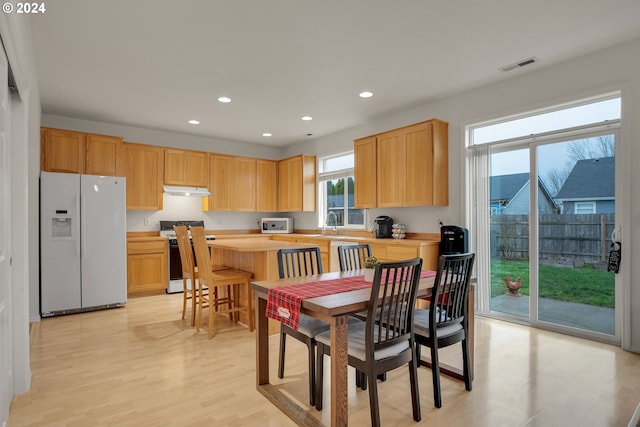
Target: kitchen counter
x=254, y=245
x=383, y=249
x=258, y=256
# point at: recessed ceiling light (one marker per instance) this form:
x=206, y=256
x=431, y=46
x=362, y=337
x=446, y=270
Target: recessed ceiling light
x=366, y=94
x=224, y=99
x=307, y=118
x=194, y=122
x=266, y=134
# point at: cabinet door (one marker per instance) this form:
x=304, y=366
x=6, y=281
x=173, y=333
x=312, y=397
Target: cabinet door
x=266, y=186
x=289, y=188
x=185, y=167
x=63, y=151
x=144, y=169
x=197, y=169
x=390, y=161
x=365, y=172
x=244, y=183
x=147, y=273
x=174, y=167
x=418, y=188
x=104, y=155
x=440, y=162
x=297, y=184
x=220, y=184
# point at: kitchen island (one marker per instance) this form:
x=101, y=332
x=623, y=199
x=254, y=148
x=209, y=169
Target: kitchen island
x=258, y=256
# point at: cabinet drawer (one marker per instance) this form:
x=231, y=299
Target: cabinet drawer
x=400, y=253
x=379, y=250
x=146, y=247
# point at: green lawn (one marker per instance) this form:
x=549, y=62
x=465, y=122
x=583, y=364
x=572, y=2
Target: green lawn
x=583, y=285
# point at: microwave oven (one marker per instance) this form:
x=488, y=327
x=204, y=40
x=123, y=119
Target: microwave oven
x=276, y=225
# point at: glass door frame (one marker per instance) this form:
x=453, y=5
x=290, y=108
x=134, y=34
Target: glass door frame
x=473, y=204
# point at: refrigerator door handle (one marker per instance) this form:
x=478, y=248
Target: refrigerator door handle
x=77, y=203
x=83, y=232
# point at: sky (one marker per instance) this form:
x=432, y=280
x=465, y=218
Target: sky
x=551, y=156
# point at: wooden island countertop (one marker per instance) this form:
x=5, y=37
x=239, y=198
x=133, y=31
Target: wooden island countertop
x=258, y=256
x=255, y=245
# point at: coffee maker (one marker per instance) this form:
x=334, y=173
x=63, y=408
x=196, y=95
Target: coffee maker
x=384, y=227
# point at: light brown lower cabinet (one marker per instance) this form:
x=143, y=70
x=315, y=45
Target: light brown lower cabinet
x=147, y=268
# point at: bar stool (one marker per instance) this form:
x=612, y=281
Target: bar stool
x=231, y=279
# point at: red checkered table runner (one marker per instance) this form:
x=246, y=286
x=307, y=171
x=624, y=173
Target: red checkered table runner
x=283, y=303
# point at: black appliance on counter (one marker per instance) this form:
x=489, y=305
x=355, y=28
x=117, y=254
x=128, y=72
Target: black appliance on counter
x=384, y=227
x=453, y=240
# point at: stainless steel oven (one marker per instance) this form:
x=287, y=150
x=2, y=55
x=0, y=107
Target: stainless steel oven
x=175, y=264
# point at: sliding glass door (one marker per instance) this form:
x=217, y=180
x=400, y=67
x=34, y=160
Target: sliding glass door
x=574, y=287
x=545, y=212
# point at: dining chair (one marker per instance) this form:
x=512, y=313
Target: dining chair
x=299, y=262
x=230, y=279
x=189, y=272
x=190, y=286
x=445, y=323
x=351, y=257
x=384, y=341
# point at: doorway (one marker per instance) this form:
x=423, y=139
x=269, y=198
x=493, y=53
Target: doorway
x=550, y=213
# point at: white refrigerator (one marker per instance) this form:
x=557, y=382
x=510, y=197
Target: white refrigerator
x=83, y=244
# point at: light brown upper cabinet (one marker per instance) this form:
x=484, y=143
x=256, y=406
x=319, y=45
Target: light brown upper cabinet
x=426, y=151
x=244, y=184
x=144, y=170
x=297, y=184
x=185, y=167
x=266, y=185
x=366, y=172
x=391, y=177
x=241, y=184
x=78, y=152
x=220, y=184
x=403, y=167
x=104, y=155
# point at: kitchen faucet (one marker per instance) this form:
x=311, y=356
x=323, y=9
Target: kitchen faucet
x=335, y=224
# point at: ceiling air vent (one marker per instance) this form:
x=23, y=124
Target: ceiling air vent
x=519, y=64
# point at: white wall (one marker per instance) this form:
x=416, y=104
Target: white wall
x=190, y=209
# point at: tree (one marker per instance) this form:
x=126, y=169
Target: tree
x=330, y=188
x=592, y=148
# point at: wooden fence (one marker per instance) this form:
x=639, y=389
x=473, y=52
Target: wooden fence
x=563, y=237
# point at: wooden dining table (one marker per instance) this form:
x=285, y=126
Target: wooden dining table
x=333, y=309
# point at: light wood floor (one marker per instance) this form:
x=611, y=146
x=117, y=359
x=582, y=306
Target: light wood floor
x=142, y=366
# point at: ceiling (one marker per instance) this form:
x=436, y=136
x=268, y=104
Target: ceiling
x=158, y=63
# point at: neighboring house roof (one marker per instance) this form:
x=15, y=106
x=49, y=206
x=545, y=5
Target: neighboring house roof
x=590, y=179
x=505, y=187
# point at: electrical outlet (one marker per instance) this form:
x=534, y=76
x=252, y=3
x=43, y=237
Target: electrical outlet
x=147, y=221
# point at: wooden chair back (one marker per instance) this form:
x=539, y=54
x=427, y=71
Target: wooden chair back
x=352, y=257
x=203, y=257
x=393, y=298
x=299, y=262
x=450, y=292
x=186, y=251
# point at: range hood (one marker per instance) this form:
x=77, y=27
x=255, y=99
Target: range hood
x=186, y=191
